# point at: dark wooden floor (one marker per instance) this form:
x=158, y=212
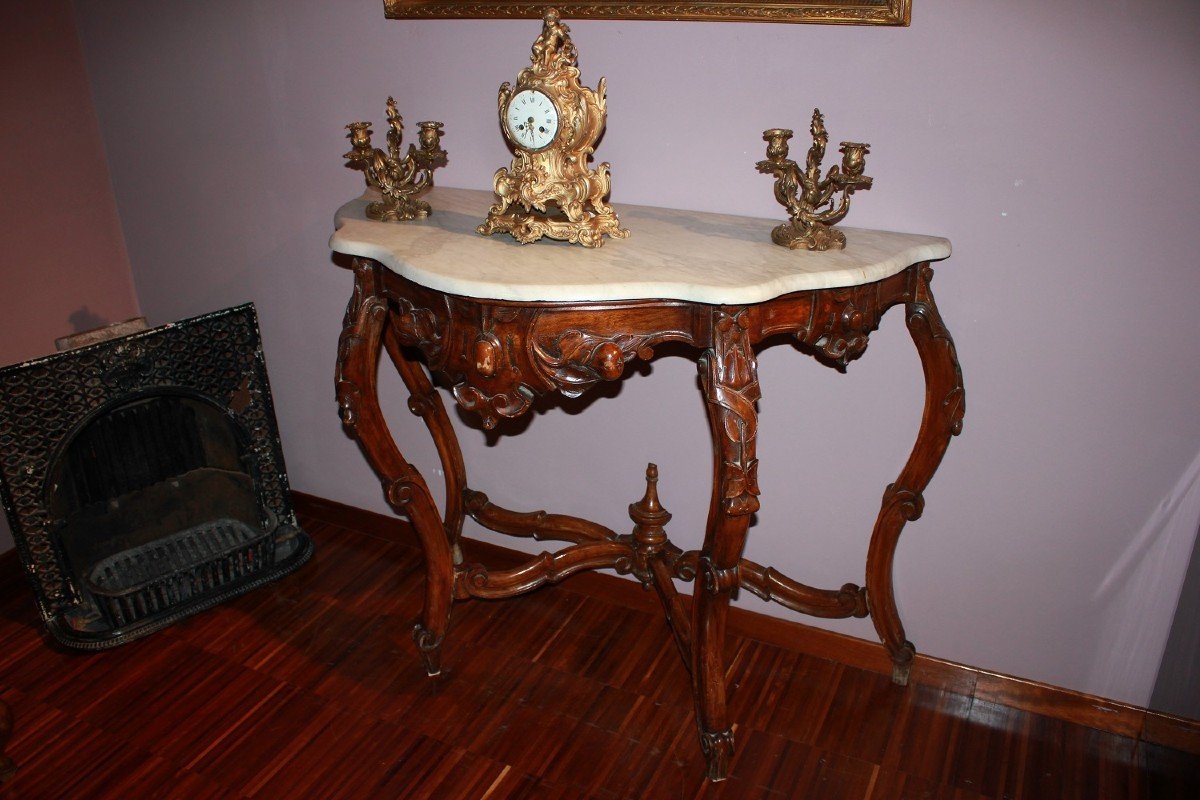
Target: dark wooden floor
x=310, y=688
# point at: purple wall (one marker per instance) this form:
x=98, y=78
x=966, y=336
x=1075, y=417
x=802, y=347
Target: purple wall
x=1052, y=143
x=63, y=266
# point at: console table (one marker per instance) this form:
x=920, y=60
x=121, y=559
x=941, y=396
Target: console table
x=504, y=323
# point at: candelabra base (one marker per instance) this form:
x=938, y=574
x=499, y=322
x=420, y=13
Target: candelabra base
x=401, y=210
x=817, y=236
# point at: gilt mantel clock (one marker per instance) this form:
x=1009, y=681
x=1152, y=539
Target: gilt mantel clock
x=552, y=123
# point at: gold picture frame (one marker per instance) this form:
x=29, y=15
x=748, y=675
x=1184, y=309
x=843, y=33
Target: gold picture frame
x=828, y=12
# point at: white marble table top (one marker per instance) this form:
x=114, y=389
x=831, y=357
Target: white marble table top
x=679, y=255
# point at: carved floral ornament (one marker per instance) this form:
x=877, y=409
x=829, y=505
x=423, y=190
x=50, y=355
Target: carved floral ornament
x=834, y=12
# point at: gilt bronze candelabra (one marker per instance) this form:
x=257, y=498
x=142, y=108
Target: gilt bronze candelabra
x=812, y=202
x=400, y=180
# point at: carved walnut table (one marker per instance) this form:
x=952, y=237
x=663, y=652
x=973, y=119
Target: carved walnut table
x=504, y=323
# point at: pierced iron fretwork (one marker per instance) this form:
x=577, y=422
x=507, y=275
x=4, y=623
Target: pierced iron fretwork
x=99, y=439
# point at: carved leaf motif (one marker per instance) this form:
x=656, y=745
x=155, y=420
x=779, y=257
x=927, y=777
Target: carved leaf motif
x=741, y=487
x=729, y=376
x=840, y=331
x=416, y=326
x=577, y=359
x=352, y=340
x=491, y=407
x=921, y=313
x=349, y=397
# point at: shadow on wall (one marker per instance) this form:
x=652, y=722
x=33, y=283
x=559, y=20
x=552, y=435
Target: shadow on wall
x=1177, y=688
x=1135, y=640
x=84, y=319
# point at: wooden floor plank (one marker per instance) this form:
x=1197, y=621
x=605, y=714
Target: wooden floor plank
x=311, y=687
x=991, y=755
x=1167, y=772
x=927, y=733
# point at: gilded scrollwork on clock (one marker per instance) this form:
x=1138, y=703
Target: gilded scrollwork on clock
x=553, y=122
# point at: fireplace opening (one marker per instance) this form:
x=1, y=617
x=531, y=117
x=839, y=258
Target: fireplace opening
x=143, y=477
x=156, y=504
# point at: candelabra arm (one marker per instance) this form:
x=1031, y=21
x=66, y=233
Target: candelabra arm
x=786, y=186
x=832, y=215
x=827, y=188
x=399, y=180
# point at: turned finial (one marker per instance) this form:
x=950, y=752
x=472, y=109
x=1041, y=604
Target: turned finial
x=650, y=499
x=649, y=526
x=648, y=513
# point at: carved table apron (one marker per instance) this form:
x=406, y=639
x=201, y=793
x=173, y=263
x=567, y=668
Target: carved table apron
x=487, y=315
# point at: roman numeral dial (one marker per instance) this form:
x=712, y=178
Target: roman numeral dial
x=531, y=119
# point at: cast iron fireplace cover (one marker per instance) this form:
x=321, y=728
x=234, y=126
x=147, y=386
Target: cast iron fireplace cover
x=213, y=363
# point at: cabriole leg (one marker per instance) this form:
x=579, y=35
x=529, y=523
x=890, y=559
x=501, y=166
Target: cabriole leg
x=729, y=379
x=406, y=491
x=426, y=403
x=902, y=500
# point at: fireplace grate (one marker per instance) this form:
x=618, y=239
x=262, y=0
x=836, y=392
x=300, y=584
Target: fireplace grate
x=189, y=564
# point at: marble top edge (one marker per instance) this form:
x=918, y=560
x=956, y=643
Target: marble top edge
x=694, y=256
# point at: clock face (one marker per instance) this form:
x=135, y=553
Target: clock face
x=531, y=119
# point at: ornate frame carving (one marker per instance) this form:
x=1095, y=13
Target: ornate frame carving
x=830, y=12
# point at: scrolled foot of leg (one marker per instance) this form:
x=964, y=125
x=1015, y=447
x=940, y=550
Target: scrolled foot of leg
x=430, y=649
x=902, y=662
x=718, y=752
